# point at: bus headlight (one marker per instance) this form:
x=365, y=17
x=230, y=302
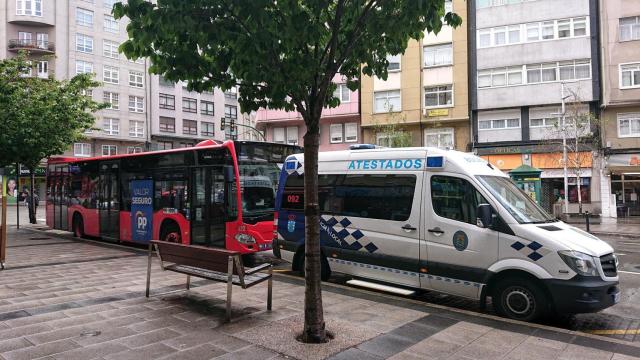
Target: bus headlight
x=245, y=239
x=581, y=263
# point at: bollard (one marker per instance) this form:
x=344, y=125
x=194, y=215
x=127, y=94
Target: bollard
x=587, y=219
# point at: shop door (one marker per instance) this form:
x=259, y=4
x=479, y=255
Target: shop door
x=109, y=200
x=208, y=215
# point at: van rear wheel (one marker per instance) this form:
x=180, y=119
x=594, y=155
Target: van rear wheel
x=519, y=299
x=298, y=265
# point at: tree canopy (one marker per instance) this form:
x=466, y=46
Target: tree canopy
x=281, y=54
x=40, y=117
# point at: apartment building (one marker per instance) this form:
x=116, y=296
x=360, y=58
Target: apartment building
x=181, y=118
x=339, y=126
x=522, y=54
x=620, y=41
x=66, y=38
x=425, y=97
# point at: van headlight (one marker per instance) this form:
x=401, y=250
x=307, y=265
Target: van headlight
x=245, y=239
x=581, y=263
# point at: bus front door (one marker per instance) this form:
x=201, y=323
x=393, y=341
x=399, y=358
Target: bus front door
x=109, y=201
x=208, y=215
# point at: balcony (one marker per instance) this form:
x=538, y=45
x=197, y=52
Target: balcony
x=32, y=46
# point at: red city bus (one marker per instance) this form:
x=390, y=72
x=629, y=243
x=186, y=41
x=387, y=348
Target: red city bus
x=187, y=195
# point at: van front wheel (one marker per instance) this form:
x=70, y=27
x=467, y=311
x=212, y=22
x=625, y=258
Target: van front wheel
x=298, y=265
x=519, y=299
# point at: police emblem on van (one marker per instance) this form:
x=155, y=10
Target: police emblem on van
x=460, y=240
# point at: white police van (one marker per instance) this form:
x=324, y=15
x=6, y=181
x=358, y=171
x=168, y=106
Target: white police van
x=446, y=221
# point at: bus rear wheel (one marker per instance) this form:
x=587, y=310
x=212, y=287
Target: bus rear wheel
x=170, y=233
x=78, y=226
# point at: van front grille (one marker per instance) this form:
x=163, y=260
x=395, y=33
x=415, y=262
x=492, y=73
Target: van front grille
x=608, y=263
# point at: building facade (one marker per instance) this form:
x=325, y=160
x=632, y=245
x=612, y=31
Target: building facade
x=524, y=55
x=620, y=39
x=425, y=96
x=339, y=126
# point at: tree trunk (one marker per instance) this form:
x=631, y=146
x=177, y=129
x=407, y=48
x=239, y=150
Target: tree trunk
x=32, y=201
x=314, y=327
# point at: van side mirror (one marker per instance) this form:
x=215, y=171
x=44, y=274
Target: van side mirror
x=484, y=216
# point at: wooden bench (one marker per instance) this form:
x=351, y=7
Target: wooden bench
x=212, y=264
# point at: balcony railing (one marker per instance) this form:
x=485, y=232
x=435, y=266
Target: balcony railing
x=34, y=46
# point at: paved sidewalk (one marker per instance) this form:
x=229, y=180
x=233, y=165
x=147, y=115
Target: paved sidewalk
x=62, y=298
x=626, y=227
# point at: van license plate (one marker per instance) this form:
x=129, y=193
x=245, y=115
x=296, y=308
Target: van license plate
x=616, y=298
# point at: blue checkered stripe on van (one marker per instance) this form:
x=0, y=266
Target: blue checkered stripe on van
x=533, y=250
x=352, y=239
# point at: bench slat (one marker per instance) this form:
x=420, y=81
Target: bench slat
x=249, y=280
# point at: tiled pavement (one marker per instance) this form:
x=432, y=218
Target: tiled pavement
x=66, y=299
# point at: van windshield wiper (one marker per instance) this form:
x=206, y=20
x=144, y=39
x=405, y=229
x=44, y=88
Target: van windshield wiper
x=543, y=221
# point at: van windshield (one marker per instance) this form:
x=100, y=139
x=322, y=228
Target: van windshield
x=517, y=203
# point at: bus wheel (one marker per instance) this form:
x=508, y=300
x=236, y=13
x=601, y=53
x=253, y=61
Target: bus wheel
x=170, y=233
x=519, y=299
x=78, y=226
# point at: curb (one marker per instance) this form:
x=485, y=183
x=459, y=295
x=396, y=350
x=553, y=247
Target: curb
x=616, y=234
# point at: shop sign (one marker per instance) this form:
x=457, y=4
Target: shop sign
x=624, y=160
x=438, y=112
x=11, y=170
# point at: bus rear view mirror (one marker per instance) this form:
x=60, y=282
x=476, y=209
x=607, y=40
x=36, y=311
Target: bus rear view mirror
x=229, y=174
x=484, y=214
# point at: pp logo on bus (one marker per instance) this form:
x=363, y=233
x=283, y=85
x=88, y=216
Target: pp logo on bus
x=141, y=221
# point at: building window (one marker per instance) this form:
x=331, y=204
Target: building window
x=84, y=17
x=206, y=107
x=136, y=104
x=394, y=62
x=111, y=126
x=288, y=135
x=629, y=75
x=84, y=43
x=110, y=49
x=535, y=73
x=335, y=133
x=438, y=55
x=544, y=122
x=629, y=125
x=84, y=67
x=42, y=68
x=108, y=4
x=136, y=128
x=112, y=99
x=389, y=140
x=498, y=124
x=189, y=105
x=165, y=145
x=167, y=124
x=111, y=24
x=108, y=150
x=439, y=138
x=230, y=112
x=387, y=101
x=207, y=128
x=350, y=132
x=136, y=78
x=167, y=102
x=29, y=7
x=490, y=3
x=134, y=149
x=438, y=96
x=164, y=82
x=111, y=74
x=531, y=32
x=189, y=127
x=630, y=28
x=343, y=93
x=82, y=150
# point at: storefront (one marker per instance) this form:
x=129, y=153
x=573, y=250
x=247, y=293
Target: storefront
x=624, y=184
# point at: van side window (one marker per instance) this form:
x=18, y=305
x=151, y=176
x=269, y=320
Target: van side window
x=455, y=198
x=356, y=195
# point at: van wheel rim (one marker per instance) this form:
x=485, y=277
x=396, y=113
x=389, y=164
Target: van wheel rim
x=519, y=301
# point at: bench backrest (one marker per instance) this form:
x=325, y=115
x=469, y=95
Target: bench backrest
x=213, y=259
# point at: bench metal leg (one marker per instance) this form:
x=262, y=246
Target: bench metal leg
x=149, y=270
x=188, y=281
x=229, y=287
x=270, y=287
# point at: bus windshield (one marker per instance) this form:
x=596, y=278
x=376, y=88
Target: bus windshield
x=517, y=203
x=259, y=166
